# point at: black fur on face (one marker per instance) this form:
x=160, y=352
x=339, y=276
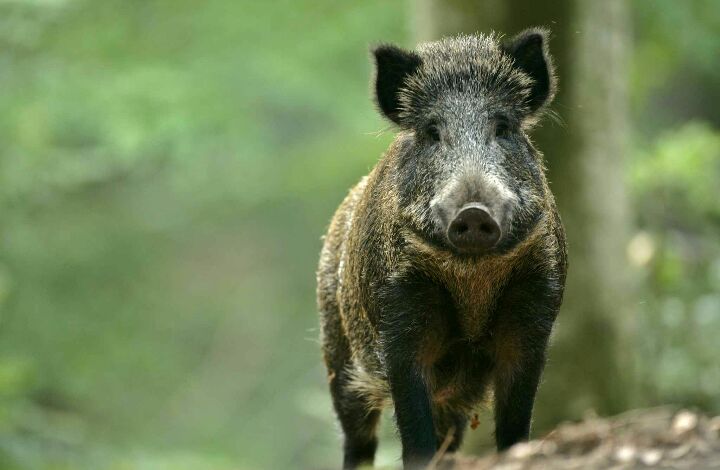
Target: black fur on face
x=465, y=105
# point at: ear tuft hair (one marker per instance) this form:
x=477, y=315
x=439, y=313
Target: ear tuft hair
x=392, y=67
x=530, y=52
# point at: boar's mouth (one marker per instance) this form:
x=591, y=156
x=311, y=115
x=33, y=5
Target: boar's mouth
x=436, y=238
x=437, y=241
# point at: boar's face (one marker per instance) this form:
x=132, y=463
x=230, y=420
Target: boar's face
x=467, y=177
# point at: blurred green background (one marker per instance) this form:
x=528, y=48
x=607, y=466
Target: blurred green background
x=167, y=168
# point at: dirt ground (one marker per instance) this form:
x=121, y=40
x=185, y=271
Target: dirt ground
x=639, y=439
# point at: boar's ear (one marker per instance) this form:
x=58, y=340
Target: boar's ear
x=530, y=51
x=392, y=67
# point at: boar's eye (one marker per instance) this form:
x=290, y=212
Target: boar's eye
x=502, y=127
x=432, y=131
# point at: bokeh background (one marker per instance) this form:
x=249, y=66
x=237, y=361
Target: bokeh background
x=167, y=168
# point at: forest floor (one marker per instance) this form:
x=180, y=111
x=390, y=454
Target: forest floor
x=638, y=439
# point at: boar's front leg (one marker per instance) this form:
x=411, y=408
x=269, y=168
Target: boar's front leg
x=412, y=413
x=514, y=399
x=407, y=307
x=524, y=319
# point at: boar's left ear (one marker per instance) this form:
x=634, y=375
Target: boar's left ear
x=392, y=67
x=530, y=51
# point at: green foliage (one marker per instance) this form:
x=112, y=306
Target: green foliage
x=165, y=175
x=676, y=187
x=674, y=177
x=166, y=170
x=674, y=39
x=678, y=177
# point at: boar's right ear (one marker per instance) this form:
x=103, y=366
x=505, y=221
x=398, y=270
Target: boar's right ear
x=392, y=67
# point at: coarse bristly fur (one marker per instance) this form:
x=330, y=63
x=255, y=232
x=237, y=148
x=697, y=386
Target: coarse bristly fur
x=410, y=315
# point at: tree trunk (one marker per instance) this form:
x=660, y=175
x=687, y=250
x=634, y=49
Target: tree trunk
x=593, y=344
x=589, y=359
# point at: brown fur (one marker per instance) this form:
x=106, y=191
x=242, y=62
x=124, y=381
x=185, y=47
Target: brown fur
x=473, y=284
x=487, y=315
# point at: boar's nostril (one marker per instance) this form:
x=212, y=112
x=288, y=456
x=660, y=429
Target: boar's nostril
x=486, y=227
x=473, y=230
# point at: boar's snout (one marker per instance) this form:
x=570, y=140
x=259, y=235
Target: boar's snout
x=473, y=230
